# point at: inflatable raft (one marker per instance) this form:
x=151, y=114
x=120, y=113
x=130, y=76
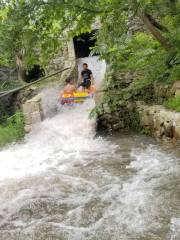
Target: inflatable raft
x=78, y=96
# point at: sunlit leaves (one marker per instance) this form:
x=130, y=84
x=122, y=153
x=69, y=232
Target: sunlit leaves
x=40, y=27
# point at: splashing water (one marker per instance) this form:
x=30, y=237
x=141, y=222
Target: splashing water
x=69, y=132
x=66, y=136
x=63, y=183
x=50, y=94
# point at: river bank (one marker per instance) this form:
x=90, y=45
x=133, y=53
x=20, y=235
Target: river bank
x=147, y=107
x=154, y=120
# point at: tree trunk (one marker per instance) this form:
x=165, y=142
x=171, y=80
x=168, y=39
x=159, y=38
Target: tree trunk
x=157, y=24
x=20, y=69
x=157, y=35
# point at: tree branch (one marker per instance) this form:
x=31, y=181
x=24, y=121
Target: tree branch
x=154, y=31
x=156, y=24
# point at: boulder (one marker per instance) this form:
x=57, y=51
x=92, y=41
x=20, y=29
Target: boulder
x=119, y=125
x=106, y=108
x=175, y=87
x=160, y=121
x=177, y=93
x=32, y=111
x=131, y=106
x=168, y=129
x=27, y=128
x=162, y=90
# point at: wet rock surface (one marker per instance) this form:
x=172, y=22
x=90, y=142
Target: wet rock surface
x=129, y=104
x=151, y=119
x=160, y=121
x=32, y=111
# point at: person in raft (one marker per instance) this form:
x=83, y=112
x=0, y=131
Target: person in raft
x=86, y=77
x=69, y=88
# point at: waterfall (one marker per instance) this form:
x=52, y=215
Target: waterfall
x=69, y=132
x=62, y=182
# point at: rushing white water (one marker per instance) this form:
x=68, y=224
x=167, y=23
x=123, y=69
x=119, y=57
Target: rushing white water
x=70, y=131
x=51, y=143
x=63, y=183
x=50, y=94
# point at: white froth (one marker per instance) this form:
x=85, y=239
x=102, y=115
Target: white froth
x=67, y=184
x=58, y=141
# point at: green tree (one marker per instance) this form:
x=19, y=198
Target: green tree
x=34, y=30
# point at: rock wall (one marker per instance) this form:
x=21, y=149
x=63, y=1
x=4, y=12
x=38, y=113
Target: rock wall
x=124, y=117
x=160, y=122
x=64, y=59
x=10, y=103
x=33, y=112
x=24, y=95
x=154, y=120
x=140, y=110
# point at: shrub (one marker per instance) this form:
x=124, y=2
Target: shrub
x=173, y=103
x=12, y=130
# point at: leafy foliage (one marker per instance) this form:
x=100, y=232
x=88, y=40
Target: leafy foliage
x=12, y=130
x=173, y=103
x=36, y=29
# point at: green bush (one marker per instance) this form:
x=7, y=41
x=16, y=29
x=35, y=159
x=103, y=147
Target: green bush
x=12, y=130
x=175, y=73
x=173, y=103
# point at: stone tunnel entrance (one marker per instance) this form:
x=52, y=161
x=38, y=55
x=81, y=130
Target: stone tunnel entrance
x=34, y=73
x=83, y=44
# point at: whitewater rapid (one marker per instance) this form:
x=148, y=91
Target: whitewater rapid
x=63, y=182
x=56, y=142
x=68, y=134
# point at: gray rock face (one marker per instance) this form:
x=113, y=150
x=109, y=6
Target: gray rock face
x=160, y=121
x=7, y=74
x=64, y=59
x=32, y=112
x=162, y=91
x=154, y=119
x=175, y=87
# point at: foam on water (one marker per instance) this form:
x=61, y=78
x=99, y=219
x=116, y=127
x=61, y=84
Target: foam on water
x=66, y=136
x=56, y=142
x=62, y=182
x=69, y=185
x=175, y=228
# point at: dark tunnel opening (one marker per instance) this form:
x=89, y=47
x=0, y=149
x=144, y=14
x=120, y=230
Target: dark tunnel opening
x=83, y=44
x=34, y=73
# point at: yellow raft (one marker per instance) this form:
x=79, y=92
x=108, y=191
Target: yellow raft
x=78, y=96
